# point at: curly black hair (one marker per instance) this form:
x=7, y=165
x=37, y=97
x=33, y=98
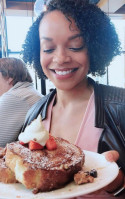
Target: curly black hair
x=95, y=26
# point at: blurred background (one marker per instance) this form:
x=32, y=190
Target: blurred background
x=16, y=16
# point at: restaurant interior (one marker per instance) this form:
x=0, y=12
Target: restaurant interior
x=16, y=17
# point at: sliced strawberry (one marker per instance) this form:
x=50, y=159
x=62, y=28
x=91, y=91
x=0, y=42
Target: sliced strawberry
x=22, y=143
x=34, y=145
x=51, y=143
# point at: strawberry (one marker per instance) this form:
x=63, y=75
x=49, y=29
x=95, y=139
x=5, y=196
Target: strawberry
x=22, y=143
x=51, y=143
x=34, y=145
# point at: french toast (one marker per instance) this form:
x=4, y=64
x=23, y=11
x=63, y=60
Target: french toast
x=2, y=152
x=44, y=170
x=6, y=175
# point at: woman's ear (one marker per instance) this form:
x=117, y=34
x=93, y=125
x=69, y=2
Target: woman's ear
x=10, y=81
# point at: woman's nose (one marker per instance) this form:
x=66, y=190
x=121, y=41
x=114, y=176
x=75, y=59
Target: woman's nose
x=61, y=56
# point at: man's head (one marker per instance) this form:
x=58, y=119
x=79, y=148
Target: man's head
x=12, y=70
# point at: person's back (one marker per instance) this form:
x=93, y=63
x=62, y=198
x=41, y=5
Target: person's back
x=17, y=95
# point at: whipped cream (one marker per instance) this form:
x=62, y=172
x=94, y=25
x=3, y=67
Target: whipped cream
x=36, y=132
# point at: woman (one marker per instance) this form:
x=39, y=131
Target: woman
x=17, y=95
x=66, y=43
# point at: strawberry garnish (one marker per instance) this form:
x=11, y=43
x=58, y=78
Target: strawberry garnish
x=34, y=145
x=22, y=143
x=51, y=143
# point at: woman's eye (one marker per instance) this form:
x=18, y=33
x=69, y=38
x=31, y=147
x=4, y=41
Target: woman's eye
x=48, y=50
x=77, y=49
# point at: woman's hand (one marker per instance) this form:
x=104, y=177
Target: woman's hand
x=113, y=156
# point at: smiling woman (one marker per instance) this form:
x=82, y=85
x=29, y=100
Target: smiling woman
x=68, y=41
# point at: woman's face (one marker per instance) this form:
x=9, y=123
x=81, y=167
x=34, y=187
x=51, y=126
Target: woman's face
x=63, y=55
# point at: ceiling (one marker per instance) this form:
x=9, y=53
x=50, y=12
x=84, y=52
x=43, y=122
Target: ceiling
x=19, y=4
x=26, y=7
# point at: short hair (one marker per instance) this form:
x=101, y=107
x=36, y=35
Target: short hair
x=14, y=68
x=96, y=28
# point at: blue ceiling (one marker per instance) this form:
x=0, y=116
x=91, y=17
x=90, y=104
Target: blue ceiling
x=91, y=1
x=21, y=0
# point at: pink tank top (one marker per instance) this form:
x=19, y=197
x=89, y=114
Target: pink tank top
x=88, y=135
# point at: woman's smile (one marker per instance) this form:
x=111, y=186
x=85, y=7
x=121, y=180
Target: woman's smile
x=64, y=73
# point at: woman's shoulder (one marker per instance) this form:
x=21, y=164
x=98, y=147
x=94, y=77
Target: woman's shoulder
x=46, y=98
x=39, y=108
x=112, y=93
x=108, y=92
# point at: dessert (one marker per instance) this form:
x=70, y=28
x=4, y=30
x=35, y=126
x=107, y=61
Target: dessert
x=36, y=132
x=2, y=152
x=44, y=170
x=6, y=175
x=83, y=177
x=42, y=162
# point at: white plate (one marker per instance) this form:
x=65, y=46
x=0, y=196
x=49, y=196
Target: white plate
x=107, y=172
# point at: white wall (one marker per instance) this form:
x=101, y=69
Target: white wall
x=117, y=67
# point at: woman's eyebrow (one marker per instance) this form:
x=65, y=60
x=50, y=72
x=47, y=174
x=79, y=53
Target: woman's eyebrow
x=75, y=36
x=70, y=38
x=46, y=38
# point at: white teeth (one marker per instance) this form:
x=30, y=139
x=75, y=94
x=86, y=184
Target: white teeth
x=63, y=72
